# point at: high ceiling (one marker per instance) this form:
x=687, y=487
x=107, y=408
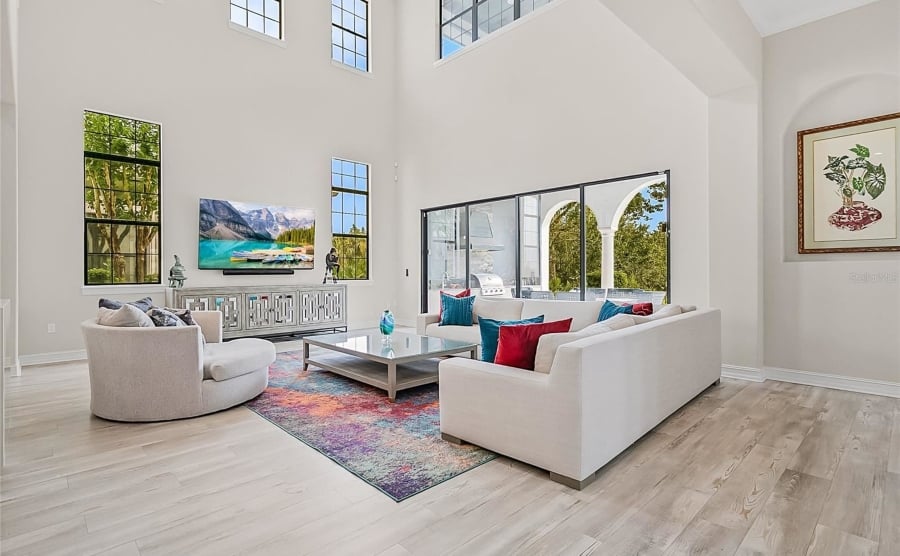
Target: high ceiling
x=774, y=16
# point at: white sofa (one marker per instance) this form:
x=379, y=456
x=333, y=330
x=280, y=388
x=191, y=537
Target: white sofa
x=603, y=392
x=157, y=374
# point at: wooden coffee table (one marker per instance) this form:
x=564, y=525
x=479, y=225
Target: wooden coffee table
x=405, y=361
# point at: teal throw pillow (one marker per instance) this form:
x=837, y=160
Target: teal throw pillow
x=610, y=309
x=490, y=334
x=456, y=311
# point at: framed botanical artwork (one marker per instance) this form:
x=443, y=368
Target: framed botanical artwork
x=847, y=186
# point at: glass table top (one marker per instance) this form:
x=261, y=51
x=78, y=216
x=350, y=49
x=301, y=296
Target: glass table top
x=400, y=344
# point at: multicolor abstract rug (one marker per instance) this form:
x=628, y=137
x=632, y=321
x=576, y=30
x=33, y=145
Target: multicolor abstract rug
x=395, y=447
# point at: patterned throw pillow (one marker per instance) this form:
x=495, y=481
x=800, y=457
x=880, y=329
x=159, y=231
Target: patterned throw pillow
x=518, y=344
x=143, y=304
x=163, y=317
x=183, y=314
x=456, y=311
x=490, y=334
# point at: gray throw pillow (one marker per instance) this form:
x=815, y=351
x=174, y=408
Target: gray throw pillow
x=162, y=317
x=126, y=315
x=144, y=304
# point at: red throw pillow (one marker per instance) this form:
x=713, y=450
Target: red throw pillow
x=518, y=342
x=642, y=309
x=465, y=293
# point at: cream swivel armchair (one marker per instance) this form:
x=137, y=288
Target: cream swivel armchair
x=162, y=373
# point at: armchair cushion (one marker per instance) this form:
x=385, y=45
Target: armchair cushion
x=222, y=361
x=124, y=315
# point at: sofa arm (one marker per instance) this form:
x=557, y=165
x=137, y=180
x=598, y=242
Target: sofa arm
x=423, y=320
x=532, y=417
x=210, y=323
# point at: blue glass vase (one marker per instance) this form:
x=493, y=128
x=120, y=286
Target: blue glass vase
x=386, y=325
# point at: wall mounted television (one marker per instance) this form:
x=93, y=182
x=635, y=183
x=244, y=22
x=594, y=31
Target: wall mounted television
x=238, y=236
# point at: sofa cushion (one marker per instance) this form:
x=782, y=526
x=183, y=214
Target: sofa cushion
x=610, y=309
x=143, y=304
x=222, y=361
x=456, y=311
x=497, y=308
x=517, y=344
x=125, y=315
x=465, y=293
x=546, y=348
x=583, y=313
x=490, y=334
x=469, y=333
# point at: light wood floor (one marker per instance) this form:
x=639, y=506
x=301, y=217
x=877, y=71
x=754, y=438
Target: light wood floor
x=744, y=469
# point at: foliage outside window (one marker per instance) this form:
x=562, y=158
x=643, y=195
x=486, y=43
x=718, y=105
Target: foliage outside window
x=350, y=217
x=350, y=33
x=263, y=16
x=640, y=245
x=121, y=200
x=465, y=21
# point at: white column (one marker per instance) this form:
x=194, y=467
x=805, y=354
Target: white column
x=607, y=278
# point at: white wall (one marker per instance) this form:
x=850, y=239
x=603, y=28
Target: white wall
x=536, y=108
x=820, y=316
x=735, y=236
x=242, y=119
x=9, y=39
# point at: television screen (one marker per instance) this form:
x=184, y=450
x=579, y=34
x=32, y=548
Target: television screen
x=236, y=235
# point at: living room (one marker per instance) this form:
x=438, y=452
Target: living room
x=579, y=91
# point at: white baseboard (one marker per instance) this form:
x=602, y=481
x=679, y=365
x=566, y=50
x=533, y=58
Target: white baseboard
x=851, y=384
x=53, y=357
x=14, y=366
x=743, y=373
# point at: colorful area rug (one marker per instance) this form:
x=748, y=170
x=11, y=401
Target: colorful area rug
x=395, y=447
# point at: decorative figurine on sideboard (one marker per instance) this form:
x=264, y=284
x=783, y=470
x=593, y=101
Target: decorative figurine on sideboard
x=176, y=274
x=332, y=265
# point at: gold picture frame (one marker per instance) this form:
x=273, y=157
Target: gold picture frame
x=847, y=196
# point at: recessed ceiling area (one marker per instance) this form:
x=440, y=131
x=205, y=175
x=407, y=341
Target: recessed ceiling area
x=775, y=16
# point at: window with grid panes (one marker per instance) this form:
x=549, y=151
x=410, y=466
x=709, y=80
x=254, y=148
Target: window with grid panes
x=350, y=217
x=350, y=33
x=121, y=200
x=465, y=21
x=263, y=16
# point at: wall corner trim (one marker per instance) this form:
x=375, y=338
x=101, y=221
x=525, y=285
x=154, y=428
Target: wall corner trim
x=52, y=357
x=743, y=373
x=837, y=382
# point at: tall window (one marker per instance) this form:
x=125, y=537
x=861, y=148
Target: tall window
x=121, y=200
x=350, y=33
x=465, y=21
x=350, y=217
x=263, y=16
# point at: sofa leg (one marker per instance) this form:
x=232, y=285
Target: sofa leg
x=717, y=382
x=450, y=438
x=573, y=483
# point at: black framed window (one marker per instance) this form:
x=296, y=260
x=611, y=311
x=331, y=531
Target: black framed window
x=350, y=33
x=350, y=217
x=263, y=16
x=121, y=200
x=465, y=21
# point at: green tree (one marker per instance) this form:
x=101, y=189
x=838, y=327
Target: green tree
x=565, y=248
x=121, y=191
x=640, y=257
x=353, y=253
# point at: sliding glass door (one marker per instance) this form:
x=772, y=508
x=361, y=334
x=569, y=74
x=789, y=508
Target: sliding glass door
x=598, y=240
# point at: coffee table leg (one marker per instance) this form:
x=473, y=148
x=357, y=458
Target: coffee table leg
x=305, y=356
x=392, y=381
